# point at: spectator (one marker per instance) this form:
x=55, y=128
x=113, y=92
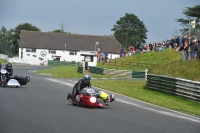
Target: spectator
x=131, y=49
x=150, y=47
x=102, y=56
x=121, y=52
x=184, y=38
x=99, y=56
x=192, y=47
x=141, y=48
x=106, y=56
x=147, y=47
x=185, y=50
x=197, y=49
x=171, y=43
x=177, y=41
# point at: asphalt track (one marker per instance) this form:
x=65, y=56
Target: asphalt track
x=41, y=107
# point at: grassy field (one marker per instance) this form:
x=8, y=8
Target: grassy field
x=68, y=72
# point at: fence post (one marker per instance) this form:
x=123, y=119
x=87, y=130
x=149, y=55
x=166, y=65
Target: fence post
x=146, y=72
x=83, y=66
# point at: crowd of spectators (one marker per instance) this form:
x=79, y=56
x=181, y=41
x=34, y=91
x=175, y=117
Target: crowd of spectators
x=189, y=48
x=102, y=56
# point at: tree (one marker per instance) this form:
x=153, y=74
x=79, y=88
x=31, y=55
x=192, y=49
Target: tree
x=17, y=31
x=191, y=13
x=57, y=31
x=6, y=40
x=62, y=25
x=129, y=30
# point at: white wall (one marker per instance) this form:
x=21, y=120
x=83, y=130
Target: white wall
x=2, y=56
x=64, y=56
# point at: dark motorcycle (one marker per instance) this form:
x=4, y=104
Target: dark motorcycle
x=3, y=76
x=12, y=81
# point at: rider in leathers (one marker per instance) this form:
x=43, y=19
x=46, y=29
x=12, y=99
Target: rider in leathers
x=82, y=83
x=9, y=69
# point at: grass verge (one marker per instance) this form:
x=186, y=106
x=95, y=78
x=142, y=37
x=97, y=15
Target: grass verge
x=68, y=72
x=3, y=61
x=138, y=90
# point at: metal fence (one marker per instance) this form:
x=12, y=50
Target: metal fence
x=129, y=64
x=181, y=87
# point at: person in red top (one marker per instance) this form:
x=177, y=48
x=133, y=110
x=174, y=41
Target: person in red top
x=99, y=56
x=147, y=47
x=132, y=49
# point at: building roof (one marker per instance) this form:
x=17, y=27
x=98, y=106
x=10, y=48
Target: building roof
x=57, y=41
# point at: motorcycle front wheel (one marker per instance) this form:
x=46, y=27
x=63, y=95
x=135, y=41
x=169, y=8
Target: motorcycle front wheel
x=4, y=81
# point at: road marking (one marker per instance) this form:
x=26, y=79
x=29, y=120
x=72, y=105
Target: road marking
x=161, y=112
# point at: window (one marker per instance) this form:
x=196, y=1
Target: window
x=28, y=50
x=31, y=50
x=72, y=52
x=89, y=58
x=52, y=51
x=34, y=50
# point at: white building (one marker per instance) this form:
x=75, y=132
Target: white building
x=35, y=46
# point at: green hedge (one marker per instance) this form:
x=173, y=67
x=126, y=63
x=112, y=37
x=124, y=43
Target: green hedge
x=61, y=63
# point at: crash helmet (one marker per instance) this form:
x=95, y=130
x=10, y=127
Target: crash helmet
x=9, y=66
x=87, y=78
x=112, y=97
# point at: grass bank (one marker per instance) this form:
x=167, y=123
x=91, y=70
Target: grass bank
x=139, y=91
x=168, y=62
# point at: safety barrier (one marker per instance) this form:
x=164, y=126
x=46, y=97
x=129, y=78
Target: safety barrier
x=61, y=63
x=80, y=69
x=181, y=87
x=96, y=70
x=138, y=74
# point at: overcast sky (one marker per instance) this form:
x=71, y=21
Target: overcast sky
x=95, y=17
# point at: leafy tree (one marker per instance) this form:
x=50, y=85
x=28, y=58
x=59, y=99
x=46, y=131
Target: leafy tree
x=129, y=30
x=5, y=40
x=58, y=31
x=3, y=34
x=191, y=13
x=17, y=31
